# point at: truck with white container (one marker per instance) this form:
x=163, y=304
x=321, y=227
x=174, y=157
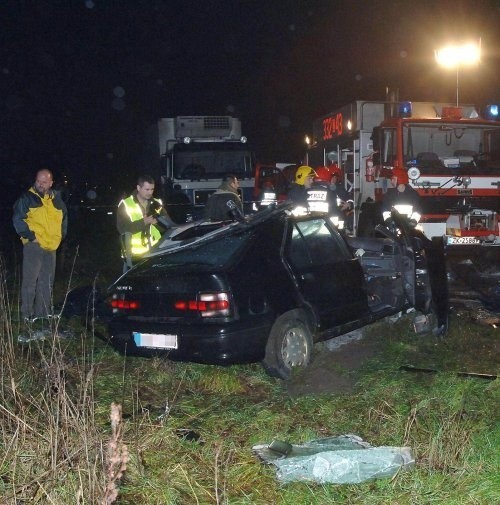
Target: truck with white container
x=191, y=154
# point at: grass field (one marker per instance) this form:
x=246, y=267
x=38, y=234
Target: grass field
x=82, y=424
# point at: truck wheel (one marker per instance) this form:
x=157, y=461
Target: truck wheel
x=289, y=346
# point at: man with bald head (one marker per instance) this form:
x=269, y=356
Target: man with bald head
x=40, y=220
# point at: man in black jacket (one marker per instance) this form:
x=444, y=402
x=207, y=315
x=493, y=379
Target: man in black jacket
x=225, y=204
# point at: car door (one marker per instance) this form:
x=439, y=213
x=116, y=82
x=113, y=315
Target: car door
x=328, y=276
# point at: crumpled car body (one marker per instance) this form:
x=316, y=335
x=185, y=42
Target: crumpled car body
x=268, y=288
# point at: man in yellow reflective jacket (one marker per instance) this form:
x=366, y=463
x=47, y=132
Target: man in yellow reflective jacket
x=40, y=219
x=140, y=220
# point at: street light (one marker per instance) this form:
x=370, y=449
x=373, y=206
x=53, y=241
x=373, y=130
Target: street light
x=307, y=140
x=454, y=56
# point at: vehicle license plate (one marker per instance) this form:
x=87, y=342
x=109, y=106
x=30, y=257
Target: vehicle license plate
x=462, y=240
x=317, y=195
x=155, y=340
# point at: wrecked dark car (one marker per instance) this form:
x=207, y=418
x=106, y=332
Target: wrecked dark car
x=268, y=288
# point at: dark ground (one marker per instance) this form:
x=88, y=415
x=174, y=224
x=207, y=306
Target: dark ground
x=333, y=371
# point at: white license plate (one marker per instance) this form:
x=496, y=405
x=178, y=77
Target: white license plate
x=155, y=340
x=316, y=195
x=462, y=240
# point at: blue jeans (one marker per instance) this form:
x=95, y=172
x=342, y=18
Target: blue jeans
x=39, y=268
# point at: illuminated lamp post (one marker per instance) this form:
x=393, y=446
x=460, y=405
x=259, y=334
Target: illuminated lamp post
x=307, y=141
x=455, y=56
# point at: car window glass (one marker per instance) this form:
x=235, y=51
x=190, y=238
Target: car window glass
x=215, y=252
x=313, y=243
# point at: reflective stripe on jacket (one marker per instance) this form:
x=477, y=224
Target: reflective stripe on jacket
x=140, y=242
x=317, y=200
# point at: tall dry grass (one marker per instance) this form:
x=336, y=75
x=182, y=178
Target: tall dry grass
x=52, y=449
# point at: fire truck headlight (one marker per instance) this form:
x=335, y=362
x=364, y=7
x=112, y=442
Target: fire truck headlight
x=413, y=173
x=243, y=139
x=187, y=140
x=462, y=181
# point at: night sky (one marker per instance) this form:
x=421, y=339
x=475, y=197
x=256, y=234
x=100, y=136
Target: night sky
x=80, y=80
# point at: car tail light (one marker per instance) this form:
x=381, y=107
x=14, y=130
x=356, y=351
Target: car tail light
x=206, y=304
x=121, y=303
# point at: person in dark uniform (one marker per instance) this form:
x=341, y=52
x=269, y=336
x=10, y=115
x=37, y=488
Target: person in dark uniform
x=267, y=196
x=344, y=201
x=225, y=204
x=402, y=197
x=321, y=197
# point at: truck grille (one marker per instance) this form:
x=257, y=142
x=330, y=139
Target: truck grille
x=216, y=123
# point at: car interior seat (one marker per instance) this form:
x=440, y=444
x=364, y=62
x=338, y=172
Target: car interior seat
x=428, y=160
x=427, y=156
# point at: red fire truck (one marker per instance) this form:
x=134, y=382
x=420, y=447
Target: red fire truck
x=451, y=154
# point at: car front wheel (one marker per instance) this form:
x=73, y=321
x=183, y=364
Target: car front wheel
x=289, y=346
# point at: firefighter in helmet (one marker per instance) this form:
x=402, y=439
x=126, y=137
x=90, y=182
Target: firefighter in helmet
x=140, y=220
x=267, y=195
x=402, y=198
x=304, y=177
x=320, y=197
x=344, y=200
x=345, y=203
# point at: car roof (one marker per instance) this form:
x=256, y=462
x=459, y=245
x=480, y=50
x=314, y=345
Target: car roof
x=199, y=232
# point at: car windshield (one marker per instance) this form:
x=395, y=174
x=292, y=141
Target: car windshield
x=216, y=252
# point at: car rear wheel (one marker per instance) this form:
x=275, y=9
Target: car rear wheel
x=289, y=346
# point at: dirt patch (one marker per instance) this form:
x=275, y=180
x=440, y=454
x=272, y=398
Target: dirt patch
x=334, y=369
x=471, y=345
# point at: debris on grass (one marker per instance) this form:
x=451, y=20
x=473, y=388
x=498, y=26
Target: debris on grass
x=474, y=375
x=346, y=459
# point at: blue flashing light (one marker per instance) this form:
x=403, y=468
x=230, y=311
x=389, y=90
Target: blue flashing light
x=405, y=109
x=492, y=112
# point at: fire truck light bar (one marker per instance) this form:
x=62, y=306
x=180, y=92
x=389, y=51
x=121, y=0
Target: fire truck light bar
x=492, y=112
x=405, y=109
